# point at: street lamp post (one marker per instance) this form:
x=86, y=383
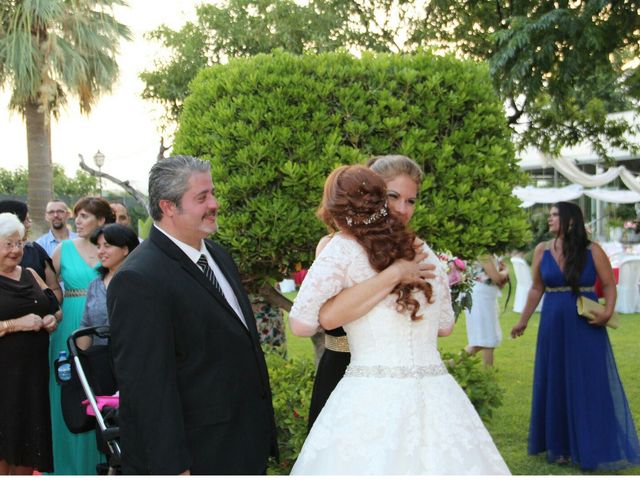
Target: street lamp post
x=98, y=158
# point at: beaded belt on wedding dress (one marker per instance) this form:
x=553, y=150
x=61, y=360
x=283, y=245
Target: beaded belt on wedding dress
x=383, y=371
x=336, y=344
x=75, y=292
x=568, y=289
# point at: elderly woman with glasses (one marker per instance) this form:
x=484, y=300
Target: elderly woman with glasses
x=33, y=255
x=28, y=313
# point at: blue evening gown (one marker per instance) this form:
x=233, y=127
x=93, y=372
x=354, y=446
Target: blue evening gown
x=579, y=408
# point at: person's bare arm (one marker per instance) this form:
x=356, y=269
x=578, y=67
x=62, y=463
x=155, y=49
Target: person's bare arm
x=608, y=282
x=498, y=277
x=51, y=279
x=535, y=294
x=84, y=342
x=25, y=323
x=55, y=258
x=49, y=321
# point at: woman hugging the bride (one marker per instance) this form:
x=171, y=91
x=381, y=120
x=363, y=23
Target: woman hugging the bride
x=396, y=410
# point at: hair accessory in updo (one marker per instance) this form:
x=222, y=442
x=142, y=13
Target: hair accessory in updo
x=371, y=218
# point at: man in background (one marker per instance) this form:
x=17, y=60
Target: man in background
x=122, y=214
x=56, y=214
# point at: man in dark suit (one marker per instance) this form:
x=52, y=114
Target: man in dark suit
x=194, y=388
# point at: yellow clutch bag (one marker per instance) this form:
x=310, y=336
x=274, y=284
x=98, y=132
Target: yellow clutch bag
x=586, y=307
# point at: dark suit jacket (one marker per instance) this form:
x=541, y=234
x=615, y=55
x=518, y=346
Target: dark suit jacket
x=194, y=388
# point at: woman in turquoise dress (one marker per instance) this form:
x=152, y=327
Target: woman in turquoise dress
x=76, y=262
x=579, y=412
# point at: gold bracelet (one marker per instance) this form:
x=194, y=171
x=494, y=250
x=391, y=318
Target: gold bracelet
x=8, y=325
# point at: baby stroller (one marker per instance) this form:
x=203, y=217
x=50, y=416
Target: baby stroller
x=88, y=400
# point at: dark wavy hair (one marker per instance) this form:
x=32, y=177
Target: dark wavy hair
x=574, y=244
x=117, y=235
x=354, y=201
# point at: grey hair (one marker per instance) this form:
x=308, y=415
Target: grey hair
x=10, y=224
x=169, y=180
x=392, y=166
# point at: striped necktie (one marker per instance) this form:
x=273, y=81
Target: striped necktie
x=204, y=265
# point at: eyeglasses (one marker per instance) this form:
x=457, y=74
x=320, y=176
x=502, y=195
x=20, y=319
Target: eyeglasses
x=56, y=212
x=11, y=245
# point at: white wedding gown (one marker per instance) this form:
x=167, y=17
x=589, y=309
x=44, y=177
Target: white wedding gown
x=397, y=410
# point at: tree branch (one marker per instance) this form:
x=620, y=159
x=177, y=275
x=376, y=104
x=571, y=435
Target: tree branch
x=517, y=112
x=275, y=298
x=140, y=197
x=162, y=149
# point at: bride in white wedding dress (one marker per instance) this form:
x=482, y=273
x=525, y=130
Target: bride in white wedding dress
x=397, y=410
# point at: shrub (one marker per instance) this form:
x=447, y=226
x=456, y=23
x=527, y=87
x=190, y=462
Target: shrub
x=291, y=385
x=274, y=126
x=479, y=383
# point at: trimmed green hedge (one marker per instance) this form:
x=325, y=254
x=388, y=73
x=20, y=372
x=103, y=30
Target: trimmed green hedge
x=274, y=126
x=291, y=385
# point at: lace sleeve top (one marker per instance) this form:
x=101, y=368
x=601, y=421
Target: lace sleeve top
x=344, y=263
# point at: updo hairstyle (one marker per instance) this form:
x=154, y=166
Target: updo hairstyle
x=393, y=166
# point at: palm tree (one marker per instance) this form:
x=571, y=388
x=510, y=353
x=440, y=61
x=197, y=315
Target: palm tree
x=50, y=50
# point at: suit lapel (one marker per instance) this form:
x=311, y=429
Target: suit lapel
x=194, y=271
x=237, y=287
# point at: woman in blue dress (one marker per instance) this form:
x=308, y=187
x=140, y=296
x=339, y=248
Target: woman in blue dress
x=579, y=410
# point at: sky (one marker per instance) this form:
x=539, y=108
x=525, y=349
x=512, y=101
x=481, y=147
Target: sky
x=121, y=125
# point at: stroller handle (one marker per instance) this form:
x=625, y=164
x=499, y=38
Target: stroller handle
x=101, y=331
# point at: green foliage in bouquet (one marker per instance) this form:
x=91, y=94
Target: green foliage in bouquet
x=461, y=299
x=291, y=384
x=479, y=383
x=274, y=126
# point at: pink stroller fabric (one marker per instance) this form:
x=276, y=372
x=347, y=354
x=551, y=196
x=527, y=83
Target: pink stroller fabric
x=102, y=401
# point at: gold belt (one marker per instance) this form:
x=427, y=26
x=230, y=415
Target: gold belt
x=75, y=292
x=568, y=289
x=336, y=344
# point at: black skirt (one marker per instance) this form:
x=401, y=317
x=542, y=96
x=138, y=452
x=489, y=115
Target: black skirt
x=330, y=371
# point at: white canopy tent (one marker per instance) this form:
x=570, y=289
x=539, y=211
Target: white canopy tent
x=532, y=195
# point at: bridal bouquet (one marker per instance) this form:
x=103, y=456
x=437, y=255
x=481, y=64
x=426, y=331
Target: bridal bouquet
x=460, y=282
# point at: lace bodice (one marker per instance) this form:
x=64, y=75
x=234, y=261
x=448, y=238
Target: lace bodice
x=383, y=336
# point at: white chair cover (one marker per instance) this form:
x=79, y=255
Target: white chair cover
x=616, y=258
x=627, y=288
x=524, y=281
x=611, y=248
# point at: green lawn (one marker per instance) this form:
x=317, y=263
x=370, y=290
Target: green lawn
x=514, y=368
